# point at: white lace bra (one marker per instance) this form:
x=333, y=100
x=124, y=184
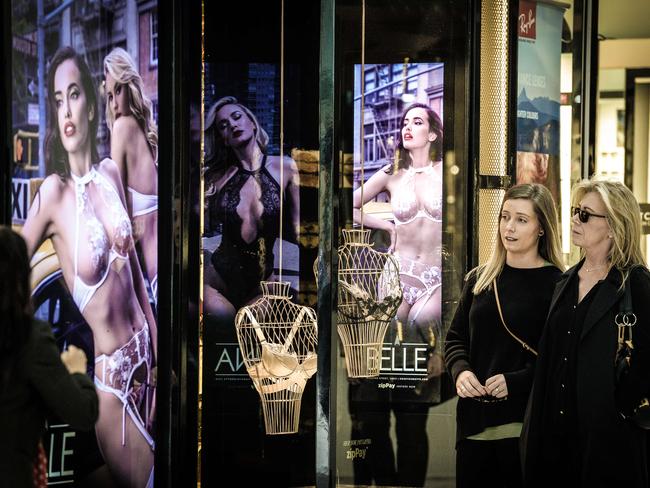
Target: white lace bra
x=142, y=203
x=408, y=205
x=103, y=249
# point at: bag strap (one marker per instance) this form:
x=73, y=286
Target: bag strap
x=523, y=344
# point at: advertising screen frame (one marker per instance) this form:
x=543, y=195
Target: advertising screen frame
x=179, y=123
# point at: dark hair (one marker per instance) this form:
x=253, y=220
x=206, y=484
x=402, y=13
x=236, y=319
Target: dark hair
x=435, y=125
x=15, y=298
x=55, y=154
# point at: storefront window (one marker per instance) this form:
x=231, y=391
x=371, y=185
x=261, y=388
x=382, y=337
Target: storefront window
x=623, y=108
x=260, y=208
x=404, y=66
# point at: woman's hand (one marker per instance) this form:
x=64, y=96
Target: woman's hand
x=74, y=360
x=496, y=386
x=468, y=385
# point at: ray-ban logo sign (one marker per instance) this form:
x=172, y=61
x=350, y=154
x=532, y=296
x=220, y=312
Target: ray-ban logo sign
x=527, y=20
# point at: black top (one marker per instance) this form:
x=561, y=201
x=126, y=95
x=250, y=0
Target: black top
x=227, y=200
x=240, y=264
x=39, y=387
x=595, y=446
x=477, y=341
x=565, y=326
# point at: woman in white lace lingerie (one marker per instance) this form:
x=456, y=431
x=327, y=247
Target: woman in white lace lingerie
x=82, y=209
x=134, y=148
x=414, y=183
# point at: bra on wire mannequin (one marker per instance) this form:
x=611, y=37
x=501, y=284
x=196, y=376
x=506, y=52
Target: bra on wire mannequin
x=278, y=340
x=369, y=294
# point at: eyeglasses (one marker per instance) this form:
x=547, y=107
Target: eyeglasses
x=583, y=215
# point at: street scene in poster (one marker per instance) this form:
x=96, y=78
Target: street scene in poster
x=85, y=198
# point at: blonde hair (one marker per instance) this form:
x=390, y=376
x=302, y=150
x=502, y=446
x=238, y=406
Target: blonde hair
x=218, y=155
x=548, y=244
x=120, y=65
x=623, y=217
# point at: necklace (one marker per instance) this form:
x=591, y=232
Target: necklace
x=420, y=169
x=589, y=270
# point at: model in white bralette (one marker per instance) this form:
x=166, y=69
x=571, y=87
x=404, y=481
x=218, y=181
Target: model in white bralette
x=81, y=209
x=414, y=183
x=134, y=147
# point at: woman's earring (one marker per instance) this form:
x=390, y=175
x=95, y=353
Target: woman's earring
x=541, y=233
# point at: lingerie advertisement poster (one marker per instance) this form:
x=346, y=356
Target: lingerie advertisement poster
x=251, y=234
x=85, y=198
x=398, y=195
x=403, y=208
x=538, y=94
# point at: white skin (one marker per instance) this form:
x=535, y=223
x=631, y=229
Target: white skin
x=419, y=240
x=237, y=131
x=52, y=216
x=135, y=161
x=594, y=237
x=519, y=232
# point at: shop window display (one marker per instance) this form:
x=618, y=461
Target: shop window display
x=88, y=213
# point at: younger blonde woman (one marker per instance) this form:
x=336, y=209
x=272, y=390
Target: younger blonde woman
x=491, y=367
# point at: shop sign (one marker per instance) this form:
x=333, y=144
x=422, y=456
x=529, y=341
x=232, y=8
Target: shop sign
x=527, y=19
x=645, y=218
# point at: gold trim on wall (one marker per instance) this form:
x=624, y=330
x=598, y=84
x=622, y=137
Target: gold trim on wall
x=493, y=115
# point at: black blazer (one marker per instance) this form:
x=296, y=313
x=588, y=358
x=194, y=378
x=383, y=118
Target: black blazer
x=39, y=386
x=614, y=451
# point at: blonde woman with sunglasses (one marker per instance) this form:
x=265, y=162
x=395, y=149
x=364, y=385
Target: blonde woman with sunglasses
x=576, y=432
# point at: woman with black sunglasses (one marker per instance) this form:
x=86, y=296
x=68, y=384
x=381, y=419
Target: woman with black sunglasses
x=576, y=433
x=502, y=307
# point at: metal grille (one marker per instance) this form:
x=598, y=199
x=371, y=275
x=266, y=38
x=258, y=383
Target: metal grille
x=488, y=212
x=493, y=117
x=493, y=149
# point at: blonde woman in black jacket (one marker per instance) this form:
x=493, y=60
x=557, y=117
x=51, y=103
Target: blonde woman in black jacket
x=576, y=433
x=35, y=381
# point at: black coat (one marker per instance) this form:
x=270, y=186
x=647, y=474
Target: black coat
x=613, y=451
x=40, y=386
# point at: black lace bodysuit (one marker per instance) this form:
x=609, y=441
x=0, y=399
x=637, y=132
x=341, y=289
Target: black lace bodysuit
x=240, y=264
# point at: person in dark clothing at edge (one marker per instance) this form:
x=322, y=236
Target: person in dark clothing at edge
x=576, y=433
x=35, y=381
x=492, y=370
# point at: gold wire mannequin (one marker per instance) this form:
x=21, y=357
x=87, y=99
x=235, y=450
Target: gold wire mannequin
x=277, y=337
x=369, y=294
x=278, y=341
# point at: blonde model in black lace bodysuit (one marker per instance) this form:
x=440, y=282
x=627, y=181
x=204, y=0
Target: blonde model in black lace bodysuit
x=243, y=206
